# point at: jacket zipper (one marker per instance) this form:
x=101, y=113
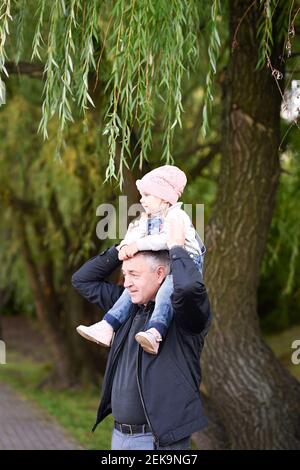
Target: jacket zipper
x=156, y=440
x=113, y=364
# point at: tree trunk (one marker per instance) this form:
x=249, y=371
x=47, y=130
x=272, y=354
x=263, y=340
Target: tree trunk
x=4, y=297
x=88, y=359
x=256, y=399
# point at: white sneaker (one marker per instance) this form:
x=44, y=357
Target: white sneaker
x=101, y=333
x=149, y=340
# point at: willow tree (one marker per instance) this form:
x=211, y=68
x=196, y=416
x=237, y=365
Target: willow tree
x=46, y=229
x=140, y=51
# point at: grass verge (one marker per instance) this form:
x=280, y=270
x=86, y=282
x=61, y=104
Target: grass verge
x=75, y=410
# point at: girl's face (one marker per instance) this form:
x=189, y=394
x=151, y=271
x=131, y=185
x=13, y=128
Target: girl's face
x=152, y=204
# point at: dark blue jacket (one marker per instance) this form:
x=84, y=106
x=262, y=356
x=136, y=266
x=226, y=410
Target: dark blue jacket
x=169, y=382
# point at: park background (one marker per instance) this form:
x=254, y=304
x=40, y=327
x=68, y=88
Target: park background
x=96, y=93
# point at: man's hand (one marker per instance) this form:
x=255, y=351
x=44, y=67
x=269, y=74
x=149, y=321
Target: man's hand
x=175, y=231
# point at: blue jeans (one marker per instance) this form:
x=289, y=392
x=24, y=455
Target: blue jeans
x=145, y=441
x=162, y=314
x=119, y=312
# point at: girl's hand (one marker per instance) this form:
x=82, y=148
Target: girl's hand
x=128, y=251
x=131, y=249
x=122, y=253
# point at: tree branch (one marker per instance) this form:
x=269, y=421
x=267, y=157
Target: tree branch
x=214, y=147
x=33, y=70
x=293, y=55
x=59, y=222
x=203, y=162
x=27, y=207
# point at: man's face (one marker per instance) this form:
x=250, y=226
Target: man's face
x=141, y=279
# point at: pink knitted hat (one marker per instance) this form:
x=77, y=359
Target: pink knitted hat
x=166, y=182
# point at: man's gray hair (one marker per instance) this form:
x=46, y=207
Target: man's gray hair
x=157, y=258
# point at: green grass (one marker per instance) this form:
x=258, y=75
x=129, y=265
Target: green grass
x=75, y=410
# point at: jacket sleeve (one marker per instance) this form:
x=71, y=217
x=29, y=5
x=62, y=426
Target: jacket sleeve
x=136, y=230
x=90, y=282
x=190, y=300
x=153, y=242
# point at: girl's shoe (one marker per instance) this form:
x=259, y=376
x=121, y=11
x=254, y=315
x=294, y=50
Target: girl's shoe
x=149, y=340
x=101, y=333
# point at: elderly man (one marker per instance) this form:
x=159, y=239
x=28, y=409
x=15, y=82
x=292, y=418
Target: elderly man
x=155, y=400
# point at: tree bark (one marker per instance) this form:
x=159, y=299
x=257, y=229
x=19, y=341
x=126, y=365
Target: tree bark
x=257, y=400
x=4, y=297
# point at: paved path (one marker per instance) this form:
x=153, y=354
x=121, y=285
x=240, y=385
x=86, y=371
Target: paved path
x=25, y=427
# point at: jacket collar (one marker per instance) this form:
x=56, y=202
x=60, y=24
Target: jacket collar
x=175, y=206
x=148, y=305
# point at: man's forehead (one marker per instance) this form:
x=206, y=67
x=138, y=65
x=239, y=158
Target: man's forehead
x=137, y=264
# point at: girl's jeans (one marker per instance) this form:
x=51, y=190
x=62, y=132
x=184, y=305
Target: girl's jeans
x=162, y=314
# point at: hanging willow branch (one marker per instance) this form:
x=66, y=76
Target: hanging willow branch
x=275, y=15
x=265, y=32
x=141, y=49
x=213, y=53
x=5, y=16
x=149, y=45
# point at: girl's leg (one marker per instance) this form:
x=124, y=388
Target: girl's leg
x=119, y=312
x=102, y=332
x=199, y=262
x=163, y=313
x=160, y=319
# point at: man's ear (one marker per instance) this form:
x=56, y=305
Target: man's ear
x=161, y=273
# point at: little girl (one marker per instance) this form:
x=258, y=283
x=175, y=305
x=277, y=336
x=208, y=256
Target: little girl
x=160, y=190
